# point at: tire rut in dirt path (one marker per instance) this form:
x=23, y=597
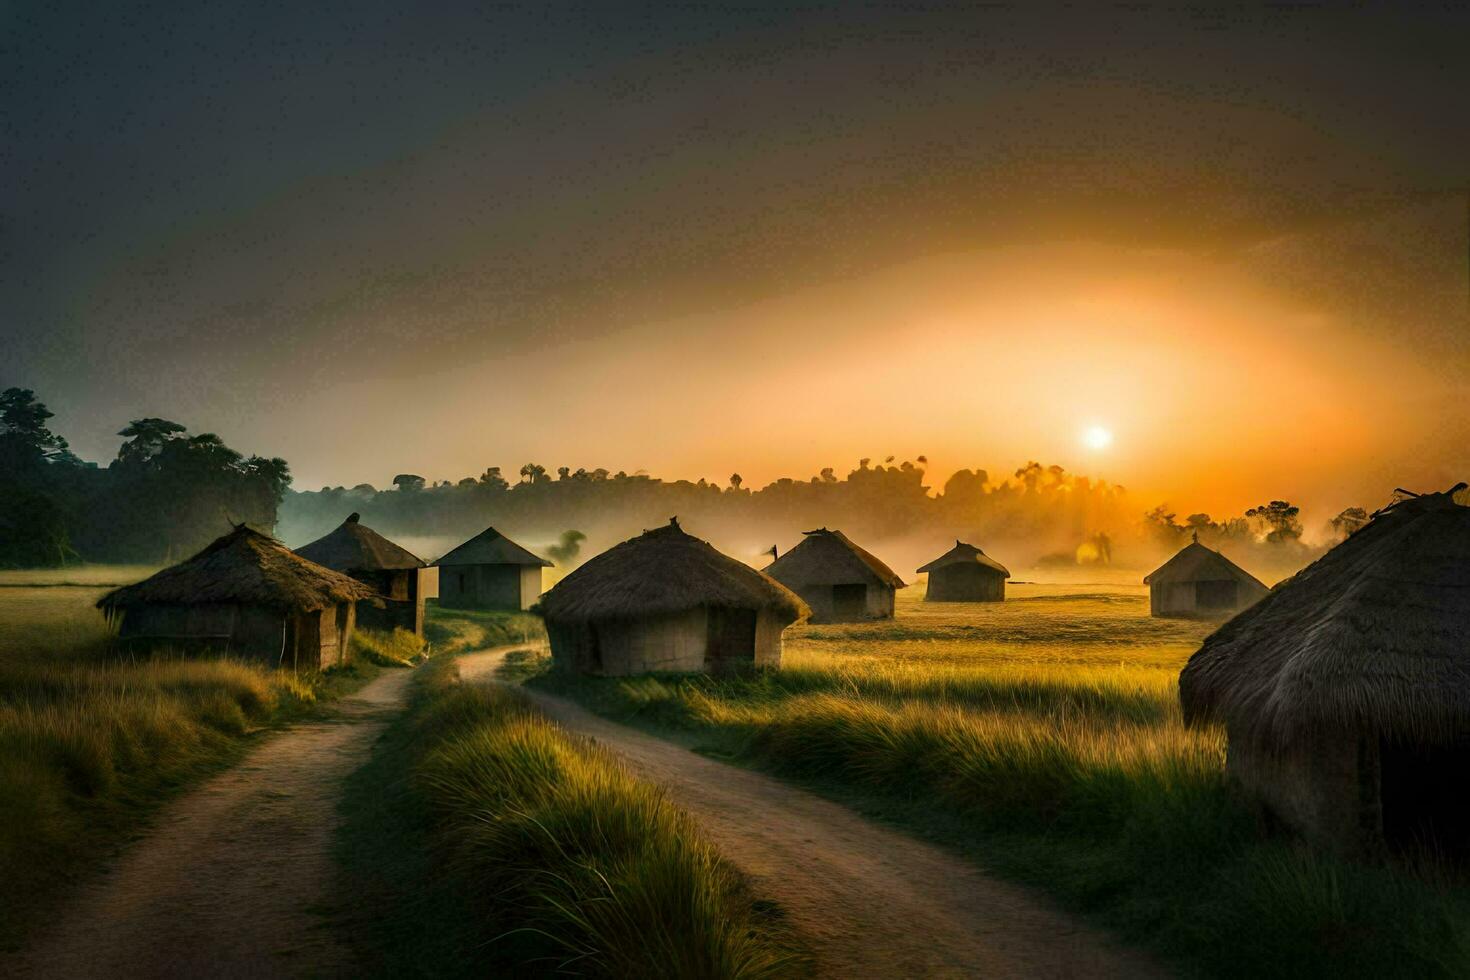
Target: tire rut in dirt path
x=225, y=881
x=872, y=901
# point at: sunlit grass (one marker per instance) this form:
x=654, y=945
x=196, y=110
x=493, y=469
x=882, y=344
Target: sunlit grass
x=1044, y=736
x=552, y=857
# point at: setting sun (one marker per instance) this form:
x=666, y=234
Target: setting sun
x=1097, y=437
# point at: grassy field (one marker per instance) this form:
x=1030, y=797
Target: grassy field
x=483, y=838
x=90, y=744
x=1043, y=738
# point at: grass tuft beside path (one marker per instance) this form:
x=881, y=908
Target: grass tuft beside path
x=484, y=838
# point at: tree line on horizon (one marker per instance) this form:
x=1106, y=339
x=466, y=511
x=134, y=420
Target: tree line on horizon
x=168, y=493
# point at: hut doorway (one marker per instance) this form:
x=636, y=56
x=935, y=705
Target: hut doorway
x=1214, y=595
x=1426, y=800
x=729, y=639
x=849, y=601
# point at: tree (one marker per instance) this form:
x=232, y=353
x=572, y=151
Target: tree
x=24, y=437
x=492, y=480
x=533, y=473
x=1280, y=520
x=146, y=439
x=409, y=482
x=736, y=480
x=1348, y=522
x=1160, y=523
x=567, y=549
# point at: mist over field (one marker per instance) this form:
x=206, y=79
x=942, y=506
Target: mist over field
x=1041, y=522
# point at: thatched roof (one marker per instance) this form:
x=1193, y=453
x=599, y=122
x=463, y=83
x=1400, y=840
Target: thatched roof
x=1196, y=563
x=1372, y=637
x=490, y=547
x=966, y=554
x=244, y=567
x=354, y=547
x=665, y=571
x=828, y=558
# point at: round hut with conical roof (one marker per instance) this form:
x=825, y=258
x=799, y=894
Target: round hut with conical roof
x=246, y=595
x=840, y=581
x=393, y=572
x=964, y=573
x=1345, y=693
x=667, y=601
x=1201, y=583
x=490, y=571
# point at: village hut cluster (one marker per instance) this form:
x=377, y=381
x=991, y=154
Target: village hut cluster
x=1344, y=691
x=249, y=596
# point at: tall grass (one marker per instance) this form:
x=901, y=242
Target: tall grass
x=1064, y=764
x=553, y=857
x=395, y=648
x=90, y=743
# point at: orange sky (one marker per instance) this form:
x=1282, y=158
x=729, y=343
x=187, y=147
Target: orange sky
x=1221, y=388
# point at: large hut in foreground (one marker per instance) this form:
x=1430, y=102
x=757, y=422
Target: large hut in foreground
x=1346, y=691
x=964, y=573
x=667, y=601
x=490, y=571
x=246, y=595
x=393, y=572
x=1201, y=583
x=841, y=582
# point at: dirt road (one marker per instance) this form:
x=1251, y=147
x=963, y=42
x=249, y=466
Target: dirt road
x=874, y=902
x=226, y=882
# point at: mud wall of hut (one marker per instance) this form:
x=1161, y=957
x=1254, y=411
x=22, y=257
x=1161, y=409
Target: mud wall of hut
x=965, y=583
x=678, y=643
x=1322, y=786
x=489, y=586
x=249, y=632
x=877, y=603
x=404, y=608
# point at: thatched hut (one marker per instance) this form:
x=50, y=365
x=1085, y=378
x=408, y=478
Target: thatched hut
x=1345, y=693
x=667, y=601
x=964, y=573
x=490, y=571
x=396, y=574
x=841, y=582
x=246, y=595
x=1201, y=583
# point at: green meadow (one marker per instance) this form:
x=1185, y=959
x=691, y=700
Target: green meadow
x=1042, y=737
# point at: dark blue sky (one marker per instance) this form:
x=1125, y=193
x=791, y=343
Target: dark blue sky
x=207, y=207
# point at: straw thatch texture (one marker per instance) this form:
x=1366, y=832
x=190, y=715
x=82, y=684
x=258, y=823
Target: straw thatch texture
x=244, y=567
x=490, y=547
x=661, y=572
x=828, y=558
x=354, y=546
x=1372, y=638
x=966, y=554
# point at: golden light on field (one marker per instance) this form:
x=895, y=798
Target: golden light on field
x=1097, y=437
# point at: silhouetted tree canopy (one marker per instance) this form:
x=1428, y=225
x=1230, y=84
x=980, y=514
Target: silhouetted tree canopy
x=164, y=496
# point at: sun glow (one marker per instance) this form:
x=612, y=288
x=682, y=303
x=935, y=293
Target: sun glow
x=1097, y=437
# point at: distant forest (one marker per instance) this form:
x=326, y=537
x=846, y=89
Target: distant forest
x=169, y=493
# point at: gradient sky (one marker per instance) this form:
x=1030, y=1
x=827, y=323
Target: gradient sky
x=373, y=240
